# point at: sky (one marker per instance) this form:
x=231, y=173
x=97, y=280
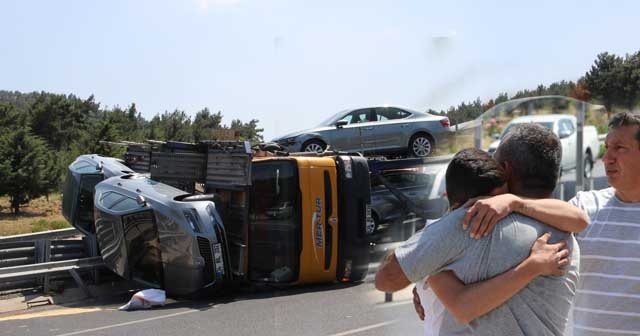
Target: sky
x=291, y=64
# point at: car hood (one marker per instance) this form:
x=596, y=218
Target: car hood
x=288, y=135
x=306, y=131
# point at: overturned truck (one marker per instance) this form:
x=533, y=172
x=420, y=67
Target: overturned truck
x=189, y=217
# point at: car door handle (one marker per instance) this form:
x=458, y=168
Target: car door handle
x=404, y=125
x=369, y=128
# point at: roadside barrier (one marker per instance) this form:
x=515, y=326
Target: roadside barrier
x=32, y=259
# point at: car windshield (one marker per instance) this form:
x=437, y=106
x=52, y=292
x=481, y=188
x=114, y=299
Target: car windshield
x=548, y=125
x=333, y=119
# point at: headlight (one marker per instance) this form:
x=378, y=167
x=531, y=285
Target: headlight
x=192, y=218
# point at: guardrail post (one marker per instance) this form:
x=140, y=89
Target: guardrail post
x=43, y=254
x=91, y=250
x=579, y=146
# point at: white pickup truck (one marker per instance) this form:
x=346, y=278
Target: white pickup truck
x=564, y=126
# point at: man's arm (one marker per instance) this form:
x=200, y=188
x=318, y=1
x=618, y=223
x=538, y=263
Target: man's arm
x=483, y=214
x=468, y=302
x=390, y=276
x=427, y=252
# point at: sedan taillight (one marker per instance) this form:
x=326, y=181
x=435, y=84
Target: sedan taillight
x=444, y=122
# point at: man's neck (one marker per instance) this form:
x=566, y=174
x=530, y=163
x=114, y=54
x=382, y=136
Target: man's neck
x=629, y=196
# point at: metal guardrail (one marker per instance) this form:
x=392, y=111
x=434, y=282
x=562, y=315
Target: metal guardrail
x=48, y=235
x=24, y=271
x=20, y=273
x=30, y=259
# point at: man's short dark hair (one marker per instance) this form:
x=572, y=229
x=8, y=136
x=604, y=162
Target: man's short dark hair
x=626, y=119
x=534, y=154
x=471, y=173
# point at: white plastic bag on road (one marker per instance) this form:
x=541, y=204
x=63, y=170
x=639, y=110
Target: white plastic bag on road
x=145, y=299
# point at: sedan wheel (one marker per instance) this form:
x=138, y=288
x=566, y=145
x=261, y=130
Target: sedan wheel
x=314, y=146
x=421, y=146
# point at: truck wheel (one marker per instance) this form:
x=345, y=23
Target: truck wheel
x=376, y=222
x=421, y=145
x=588, y=166
x=314, y=145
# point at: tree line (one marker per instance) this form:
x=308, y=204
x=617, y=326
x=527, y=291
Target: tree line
x=42, y=133
x=612, y=81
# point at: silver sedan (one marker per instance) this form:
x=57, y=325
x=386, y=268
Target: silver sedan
x=373, y=130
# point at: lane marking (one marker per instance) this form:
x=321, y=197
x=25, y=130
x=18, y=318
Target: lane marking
x=128, y=323
x=394, y=304
x=50, y=313
x=373, y=326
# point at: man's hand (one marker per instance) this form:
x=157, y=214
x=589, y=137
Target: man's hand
x=416, y=303
x=547, y=259
x=486, y=212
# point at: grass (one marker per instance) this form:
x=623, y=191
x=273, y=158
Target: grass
x=41, y=214
x=46, y=225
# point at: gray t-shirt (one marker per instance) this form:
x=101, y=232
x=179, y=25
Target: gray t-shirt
x=608, y=298
x=541, y=308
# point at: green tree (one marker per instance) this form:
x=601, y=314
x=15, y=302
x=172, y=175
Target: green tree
x=604, y=80
x=248, y=131
x=59, y=119
x=8, y=116
x=502, y=97
x=630, y=81
x=205, y=122
x=176, y=126
x=28, y=169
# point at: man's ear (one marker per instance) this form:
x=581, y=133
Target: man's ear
x=508, y=170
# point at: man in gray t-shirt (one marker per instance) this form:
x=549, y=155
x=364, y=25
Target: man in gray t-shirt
x=530, y=156
x=540, y=309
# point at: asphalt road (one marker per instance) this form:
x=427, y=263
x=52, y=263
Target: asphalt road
x=568, y=181
x=317, y=310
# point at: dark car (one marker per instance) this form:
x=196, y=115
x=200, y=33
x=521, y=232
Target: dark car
x=380, y=130
x=424, y=188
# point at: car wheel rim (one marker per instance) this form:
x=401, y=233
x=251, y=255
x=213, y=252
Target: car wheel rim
x=313, y=148
x=421, y=146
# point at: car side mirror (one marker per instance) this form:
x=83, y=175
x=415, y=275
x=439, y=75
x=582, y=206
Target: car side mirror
x=564, y=133
x=341, y=123
x=495, y=136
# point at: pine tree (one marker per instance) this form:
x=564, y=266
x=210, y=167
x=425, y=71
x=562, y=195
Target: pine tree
x=28, y=169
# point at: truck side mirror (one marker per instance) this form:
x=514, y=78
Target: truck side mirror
x=341, y=123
